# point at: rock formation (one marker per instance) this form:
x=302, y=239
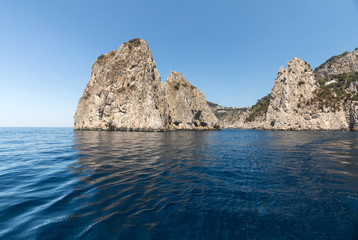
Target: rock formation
x=292, y=105
x=344, y=63
x=243, y=118
x=187, y=107
x=301, y=99
x=125, y=93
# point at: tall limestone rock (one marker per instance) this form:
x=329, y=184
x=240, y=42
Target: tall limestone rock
x=187, y=107
x=294, y=106
x=125, y=93
x=326, y=99
x=339, y=74
x=344, y=63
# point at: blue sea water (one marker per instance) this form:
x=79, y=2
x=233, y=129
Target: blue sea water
x=56, y=183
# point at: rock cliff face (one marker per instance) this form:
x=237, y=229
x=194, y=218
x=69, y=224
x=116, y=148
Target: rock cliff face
x=243, y=118
x=292, y=105
x=187, y=107
x=344, y=63
x=125, y=93
x=301, y=99
x=237, y=118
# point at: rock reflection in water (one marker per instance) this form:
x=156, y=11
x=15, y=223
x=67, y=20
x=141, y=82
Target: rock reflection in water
x=133, y=178
x=227, y=184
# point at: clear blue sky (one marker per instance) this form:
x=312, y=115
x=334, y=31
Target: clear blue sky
x=230, y=50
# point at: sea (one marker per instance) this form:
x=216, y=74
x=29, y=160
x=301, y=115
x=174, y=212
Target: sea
x=57, y=183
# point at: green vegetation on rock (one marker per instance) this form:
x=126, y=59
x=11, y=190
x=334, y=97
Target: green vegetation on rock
x=212, y=105
x=134, y=42
x=101, y=57
x=259, y=109
x=330, y=61
x=185, y=85
x=221, y=115
x=332, y=95
x=342, y=80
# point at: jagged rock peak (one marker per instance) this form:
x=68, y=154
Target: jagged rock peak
x=124, y=92
x=296, y=70
x=135, y=49
x=343, y=63
x=187, y=107
x=175, y=77
x=136, y=42
x=295, y=60
x=292, y=88
x=281, y=70
x=298, y=65
x=295, y=65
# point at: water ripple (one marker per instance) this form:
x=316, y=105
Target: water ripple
x=233, y=184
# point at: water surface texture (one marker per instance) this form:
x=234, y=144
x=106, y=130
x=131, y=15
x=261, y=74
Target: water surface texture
x=233, y=184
